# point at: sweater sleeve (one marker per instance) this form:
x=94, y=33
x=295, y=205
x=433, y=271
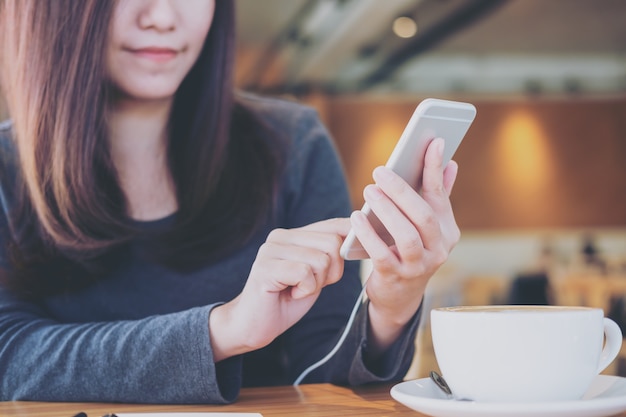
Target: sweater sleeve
x=319, y=191
x=158, y=359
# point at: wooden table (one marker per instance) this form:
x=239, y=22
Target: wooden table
x=318, y=400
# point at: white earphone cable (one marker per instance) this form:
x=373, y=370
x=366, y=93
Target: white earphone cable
x=330, y=354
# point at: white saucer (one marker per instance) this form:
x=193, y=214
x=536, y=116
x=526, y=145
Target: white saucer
x=605, y=397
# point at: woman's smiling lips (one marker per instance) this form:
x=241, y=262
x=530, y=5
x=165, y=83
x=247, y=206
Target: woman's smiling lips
x=155, y=53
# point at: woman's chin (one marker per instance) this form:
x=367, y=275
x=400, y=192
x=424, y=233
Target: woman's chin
x=145, y=94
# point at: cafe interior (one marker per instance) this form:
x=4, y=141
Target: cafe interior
x=541, y=194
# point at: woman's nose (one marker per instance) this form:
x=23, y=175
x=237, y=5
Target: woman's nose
x=159, y=15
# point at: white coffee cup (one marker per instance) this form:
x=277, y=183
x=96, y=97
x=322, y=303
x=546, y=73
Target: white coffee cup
x=522, y=353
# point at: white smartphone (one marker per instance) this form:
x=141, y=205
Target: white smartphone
x=432, y=118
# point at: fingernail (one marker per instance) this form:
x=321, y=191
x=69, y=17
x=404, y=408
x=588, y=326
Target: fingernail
x=440, y=145
x=373, y=192
x=357, y=217
x=383, y=173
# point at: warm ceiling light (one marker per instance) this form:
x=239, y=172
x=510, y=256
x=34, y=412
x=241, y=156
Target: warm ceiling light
x=404, y=27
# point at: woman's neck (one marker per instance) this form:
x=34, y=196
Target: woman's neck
x=138, y=142
x=137, y=127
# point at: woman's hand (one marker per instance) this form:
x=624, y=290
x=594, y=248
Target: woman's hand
x=424, y=231
x=289, y=272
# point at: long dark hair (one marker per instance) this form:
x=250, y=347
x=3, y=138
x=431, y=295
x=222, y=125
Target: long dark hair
x=71, y=210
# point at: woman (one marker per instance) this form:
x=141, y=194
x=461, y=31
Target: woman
x=166, y=240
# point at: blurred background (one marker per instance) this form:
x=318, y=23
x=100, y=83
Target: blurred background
x=541, y=193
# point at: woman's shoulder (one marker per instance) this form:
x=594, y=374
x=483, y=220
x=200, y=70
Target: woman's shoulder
x=280, y=113
x=7, y=147
x=8, y=166
x=6, y=129
x=271, y=104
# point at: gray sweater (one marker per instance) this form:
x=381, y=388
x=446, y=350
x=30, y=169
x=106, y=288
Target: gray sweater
x=141, y=334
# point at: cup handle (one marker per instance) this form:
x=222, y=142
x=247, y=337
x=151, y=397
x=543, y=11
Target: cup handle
x=612, y=344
